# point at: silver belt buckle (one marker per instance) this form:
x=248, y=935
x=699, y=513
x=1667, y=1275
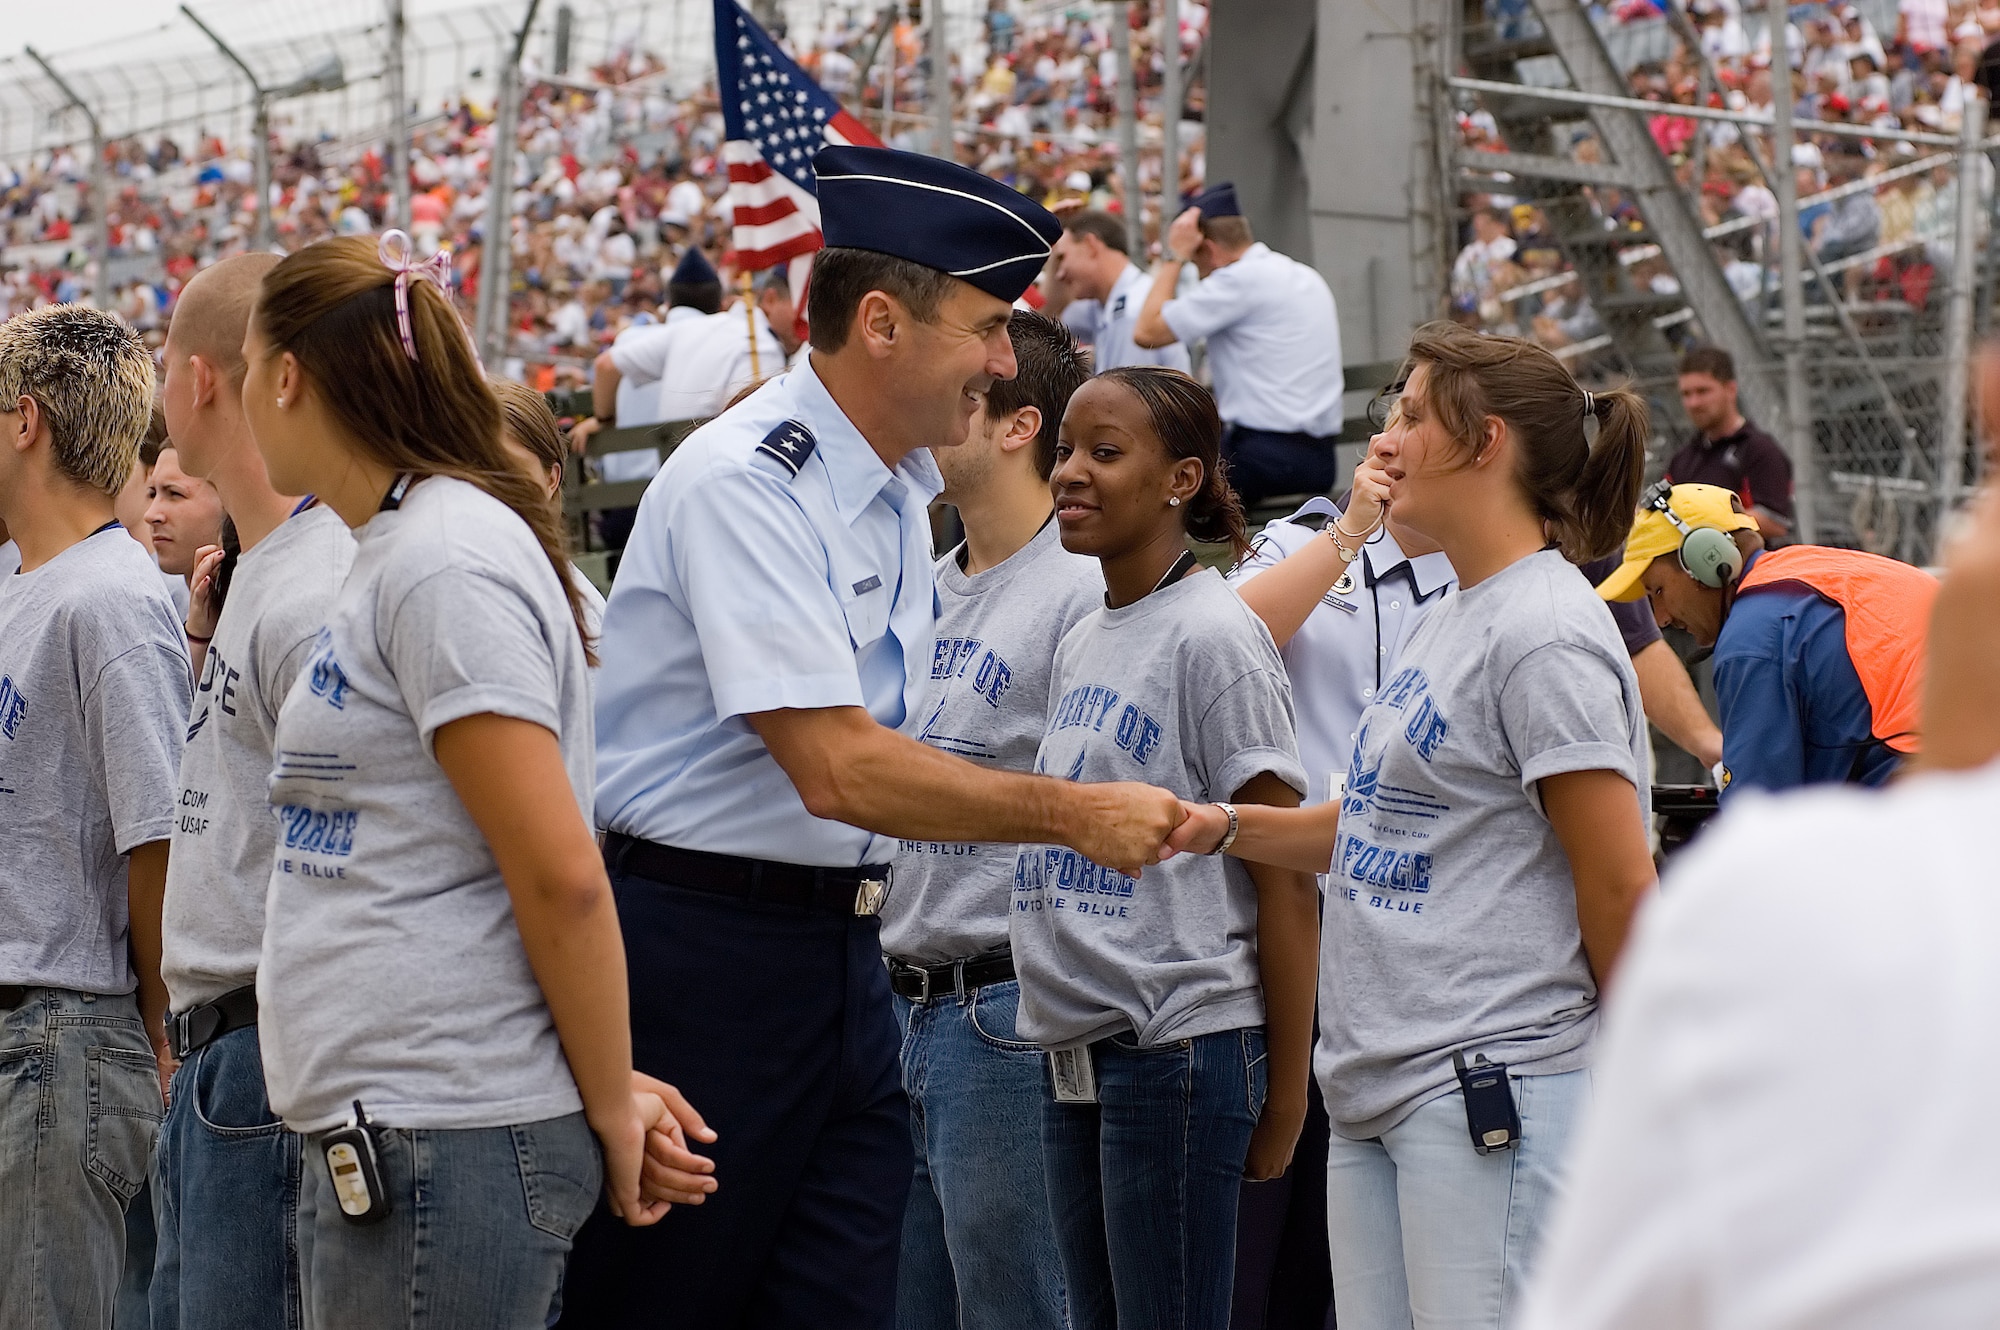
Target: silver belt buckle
x=870, y=895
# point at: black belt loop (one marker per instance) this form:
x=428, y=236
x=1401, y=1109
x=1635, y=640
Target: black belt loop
x=855, y=892
x=199, y=1026
x=962, y=978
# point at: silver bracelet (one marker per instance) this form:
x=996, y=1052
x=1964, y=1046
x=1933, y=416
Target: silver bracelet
x=1346, y=555
x=1229, y=836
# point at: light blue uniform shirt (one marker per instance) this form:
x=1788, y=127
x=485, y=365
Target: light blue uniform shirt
x=1273, y=342
x=775, y=563
x=1107, y=326
x=1333, y=656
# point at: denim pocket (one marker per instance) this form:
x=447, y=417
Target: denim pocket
x=1256, y=1071
x=561, y=1173
x=994, y=1011
x=226, y=1091
x=125, y=1113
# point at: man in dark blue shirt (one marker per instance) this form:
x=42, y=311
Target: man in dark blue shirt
x=1817, y=652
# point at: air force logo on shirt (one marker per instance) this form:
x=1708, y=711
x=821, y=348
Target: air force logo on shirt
x=791, y=443
x=13, y=707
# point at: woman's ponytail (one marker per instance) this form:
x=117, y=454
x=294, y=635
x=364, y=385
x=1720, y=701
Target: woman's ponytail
x=1600, y=505
x=1185, y=419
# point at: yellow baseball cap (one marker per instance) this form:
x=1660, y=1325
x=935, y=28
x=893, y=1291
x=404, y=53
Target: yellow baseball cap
x=1654, y=534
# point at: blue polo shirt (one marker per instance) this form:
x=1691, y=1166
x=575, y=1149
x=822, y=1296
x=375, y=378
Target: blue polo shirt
x=1793, y=709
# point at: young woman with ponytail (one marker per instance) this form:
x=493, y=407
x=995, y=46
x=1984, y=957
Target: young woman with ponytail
x=1187, y=993
x=1490, y=848
x=442, y=959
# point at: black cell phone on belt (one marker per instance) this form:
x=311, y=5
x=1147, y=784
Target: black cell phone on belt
x=352, y=1164
x=1490, y=1113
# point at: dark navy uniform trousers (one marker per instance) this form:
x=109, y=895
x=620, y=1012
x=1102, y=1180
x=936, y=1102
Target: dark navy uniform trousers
x=777, y=1025
x=1262, y=463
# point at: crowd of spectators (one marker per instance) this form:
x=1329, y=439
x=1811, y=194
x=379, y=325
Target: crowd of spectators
x=616, y=175
x=1886, y=247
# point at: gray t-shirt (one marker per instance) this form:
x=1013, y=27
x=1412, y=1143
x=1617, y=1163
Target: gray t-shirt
x=393, y=970
x=279, y=598
x=988, y=702
x=1450, y=917
x=94, y=688
x=1183, y=690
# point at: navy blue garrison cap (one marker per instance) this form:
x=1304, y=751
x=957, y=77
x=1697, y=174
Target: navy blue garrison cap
x=694, y=269
x=933, y=212
x=1217, y=201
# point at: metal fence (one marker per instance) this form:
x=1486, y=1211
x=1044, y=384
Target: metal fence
x=1865, y=345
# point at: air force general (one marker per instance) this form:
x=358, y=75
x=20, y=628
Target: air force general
x=766, y=649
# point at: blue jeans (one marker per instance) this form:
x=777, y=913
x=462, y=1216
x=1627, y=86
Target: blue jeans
x=226, y=1195
x=479, y=1228
x=979, y=1252
x=79, y=1106
x=1422, y=1224
x=1144, y=1183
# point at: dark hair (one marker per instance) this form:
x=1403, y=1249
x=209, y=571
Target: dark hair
x=1713, y=361
x=1050, y=368
x=333, y=305
x=842, y=277
x=225, y=571
x=1184, y=418
x=1586, y=492
x=1099, y=223
x=525, y=414
x=1228, y=232
x=155, y=440
x=704, y=296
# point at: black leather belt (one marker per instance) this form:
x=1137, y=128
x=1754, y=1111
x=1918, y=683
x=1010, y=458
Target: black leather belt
x=846, y=891
x=920, y=983
x=12, y=996
x=198, y=1027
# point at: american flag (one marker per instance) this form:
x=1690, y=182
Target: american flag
x=775, y=118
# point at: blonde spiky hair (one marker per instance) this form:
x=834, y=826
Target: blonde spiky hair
x=93, y=380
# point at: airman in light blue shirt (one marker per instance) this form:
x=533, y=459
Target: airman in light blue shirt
x=776, y=563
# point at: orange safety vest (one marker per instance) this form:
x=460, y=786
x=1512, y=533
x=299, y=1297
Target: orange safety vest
x=1888, y=609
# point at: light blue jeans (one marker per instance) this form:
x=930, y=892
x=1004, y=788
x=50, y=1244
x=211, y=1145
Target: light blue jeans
x=226, y=1194
x=979, y=1252
x=79, y=1107
x=480, y=1226
x=1426, y=1231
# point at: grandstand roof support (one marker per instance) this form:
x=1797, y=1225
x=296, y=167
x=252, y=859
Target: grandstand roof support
x=1133, y=202
x=1797, y=433
x=100, y=190
x=260, y=131
x=496, y=248
x=1170, y=113
x=1673, y=223
x=1958, y=314
x=399, y=115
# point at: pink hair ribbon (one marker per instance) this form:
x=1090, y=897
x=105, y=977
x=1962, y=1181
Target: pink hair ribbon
x=399, y=256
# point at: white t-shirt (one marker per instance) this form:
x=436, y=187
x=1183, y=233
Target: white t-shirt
x=10, y=558
x=1793, y=1117
x=93, y=712
x=393, y=969
x=224, y=834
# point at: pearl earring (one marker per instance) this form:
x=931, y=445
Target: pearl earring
x=1173, y=503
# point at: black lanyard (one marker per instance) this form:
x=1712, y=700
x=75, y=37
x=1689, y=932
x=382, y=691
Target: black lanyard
x=1174, y=574
x=394, y=498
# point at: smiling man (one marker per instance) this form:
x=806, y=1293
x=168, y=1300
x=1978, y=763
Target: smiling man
x=767, y=647
x=1818, y=652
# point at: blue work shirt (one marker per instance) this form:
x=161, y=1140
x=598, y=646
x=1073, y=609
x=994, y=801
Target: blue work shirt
x=1793, y=709
x=775, y=563
x=1351, y=640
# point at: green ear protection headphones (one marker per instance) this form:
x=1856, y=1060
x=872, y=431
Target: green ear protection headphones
x=1709, y=556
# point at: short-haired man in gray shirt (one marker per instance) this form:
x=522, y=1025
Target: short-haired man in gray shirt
x=978, y=1246
x=93, y=711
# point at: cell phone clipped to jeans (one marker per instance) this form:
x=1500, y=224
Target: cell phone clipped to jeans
x=1490, y=1114
x=353, y=1164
